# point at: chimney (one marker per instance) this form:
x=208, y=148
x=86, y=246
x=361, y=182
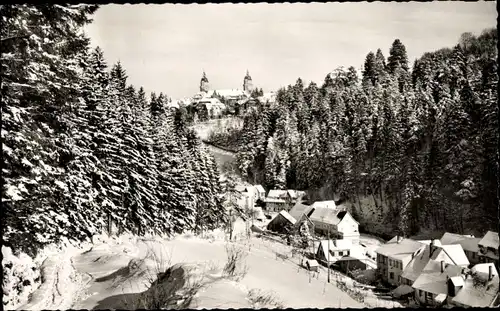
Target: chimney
x=430, y=248
x=490, y=273
x=397, y=238
x=442, y=266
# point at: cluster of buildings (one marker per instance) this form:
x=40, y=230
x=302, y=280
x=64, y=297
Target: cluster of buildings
x=456, y=270
x=215, y=102
x=340, y=231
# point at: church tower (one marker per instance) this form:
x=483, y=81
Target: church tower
x=204, y=86
x=247, y=83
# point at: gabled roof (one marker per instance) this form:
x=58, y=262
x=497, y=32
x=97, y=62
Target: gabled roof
x=303, y=218
x=324, y=246
x=423, y=256
x=468, y=243
x=300, y=209
x=450, y=238
x=434, y=281
x=324, y=204
x=342, y=215
x=277, y=194
x=490, y=239
x=288, y=217
x=325, y=215
x=295, y=194
x=403, y=249
x=328, y=215
x=477, y=291
x=260, y=188
x=456, y=254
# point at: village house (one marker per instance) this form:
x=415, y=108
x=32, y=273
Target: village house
x=488, y=248
x=338, y=223
x=255, y=191
x=479, y=288
x=343, y=254
x=304, y=220
x=278, y=200
x=213, y=106
x=301, y=209
x=282, y=223
x=328, y=218
x=469, y=244
x=431, y=287
x=450, y=254
x=394, y=256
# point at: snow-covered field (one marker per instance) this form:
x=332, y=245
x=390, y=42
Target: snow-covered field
x=114, y=271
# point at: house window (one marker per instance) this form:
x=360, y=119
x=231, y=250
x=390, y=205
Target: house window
x=419, y=293
x=399, y=279
x=390, y=262
x=391, y=275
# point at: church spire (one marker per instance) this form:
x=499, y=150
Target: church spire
x=247, y=83
x=204, y=83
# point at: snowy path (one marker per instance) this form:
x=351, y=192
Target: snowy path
x=61, y=286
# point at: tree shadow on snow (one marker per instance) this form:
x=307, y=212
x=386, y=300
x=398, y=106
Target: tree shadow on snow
x=119, y=302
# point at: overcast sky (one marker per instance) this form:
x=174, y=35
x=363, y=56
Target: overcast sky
x=166, y=47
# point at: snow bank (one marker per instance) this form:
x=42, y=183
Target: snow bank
x=21, y=277
x=23, y=274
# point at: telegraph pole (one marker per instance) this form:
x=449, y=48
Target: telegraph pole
x=328, y=241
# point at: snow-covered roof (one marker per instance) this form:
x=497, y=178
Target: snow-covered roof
x=417, y=264
x=468, y=243
x=210, y=101
x=300, y=209
x=228, y=93
x=288, y=217
x=456, y=254
x=490, y=239
x=324, y=204
x=434, y=281
x=295, y=194
x=403, y=249
x=260, y=188
x=277, y=194
x=479, y=293
x=327, y=215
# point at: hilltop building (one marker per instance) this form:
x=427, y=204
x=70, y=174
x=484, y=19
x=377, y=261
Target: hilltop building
x=204, y=85
x=247, y=83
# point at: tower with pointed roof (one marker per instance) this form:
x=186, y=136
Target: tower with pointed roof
x=247, y=83
x=204, y=86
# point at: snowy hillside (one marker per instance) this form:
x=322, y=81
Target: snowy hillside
x=114, y=273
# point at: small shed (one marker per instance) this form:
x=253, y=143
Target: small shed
x=312, y=265
x=281, y=222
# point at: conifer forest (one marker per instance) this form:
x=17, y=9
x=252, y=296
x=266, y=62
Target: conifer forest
x=82, y=147
x=420, y=140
